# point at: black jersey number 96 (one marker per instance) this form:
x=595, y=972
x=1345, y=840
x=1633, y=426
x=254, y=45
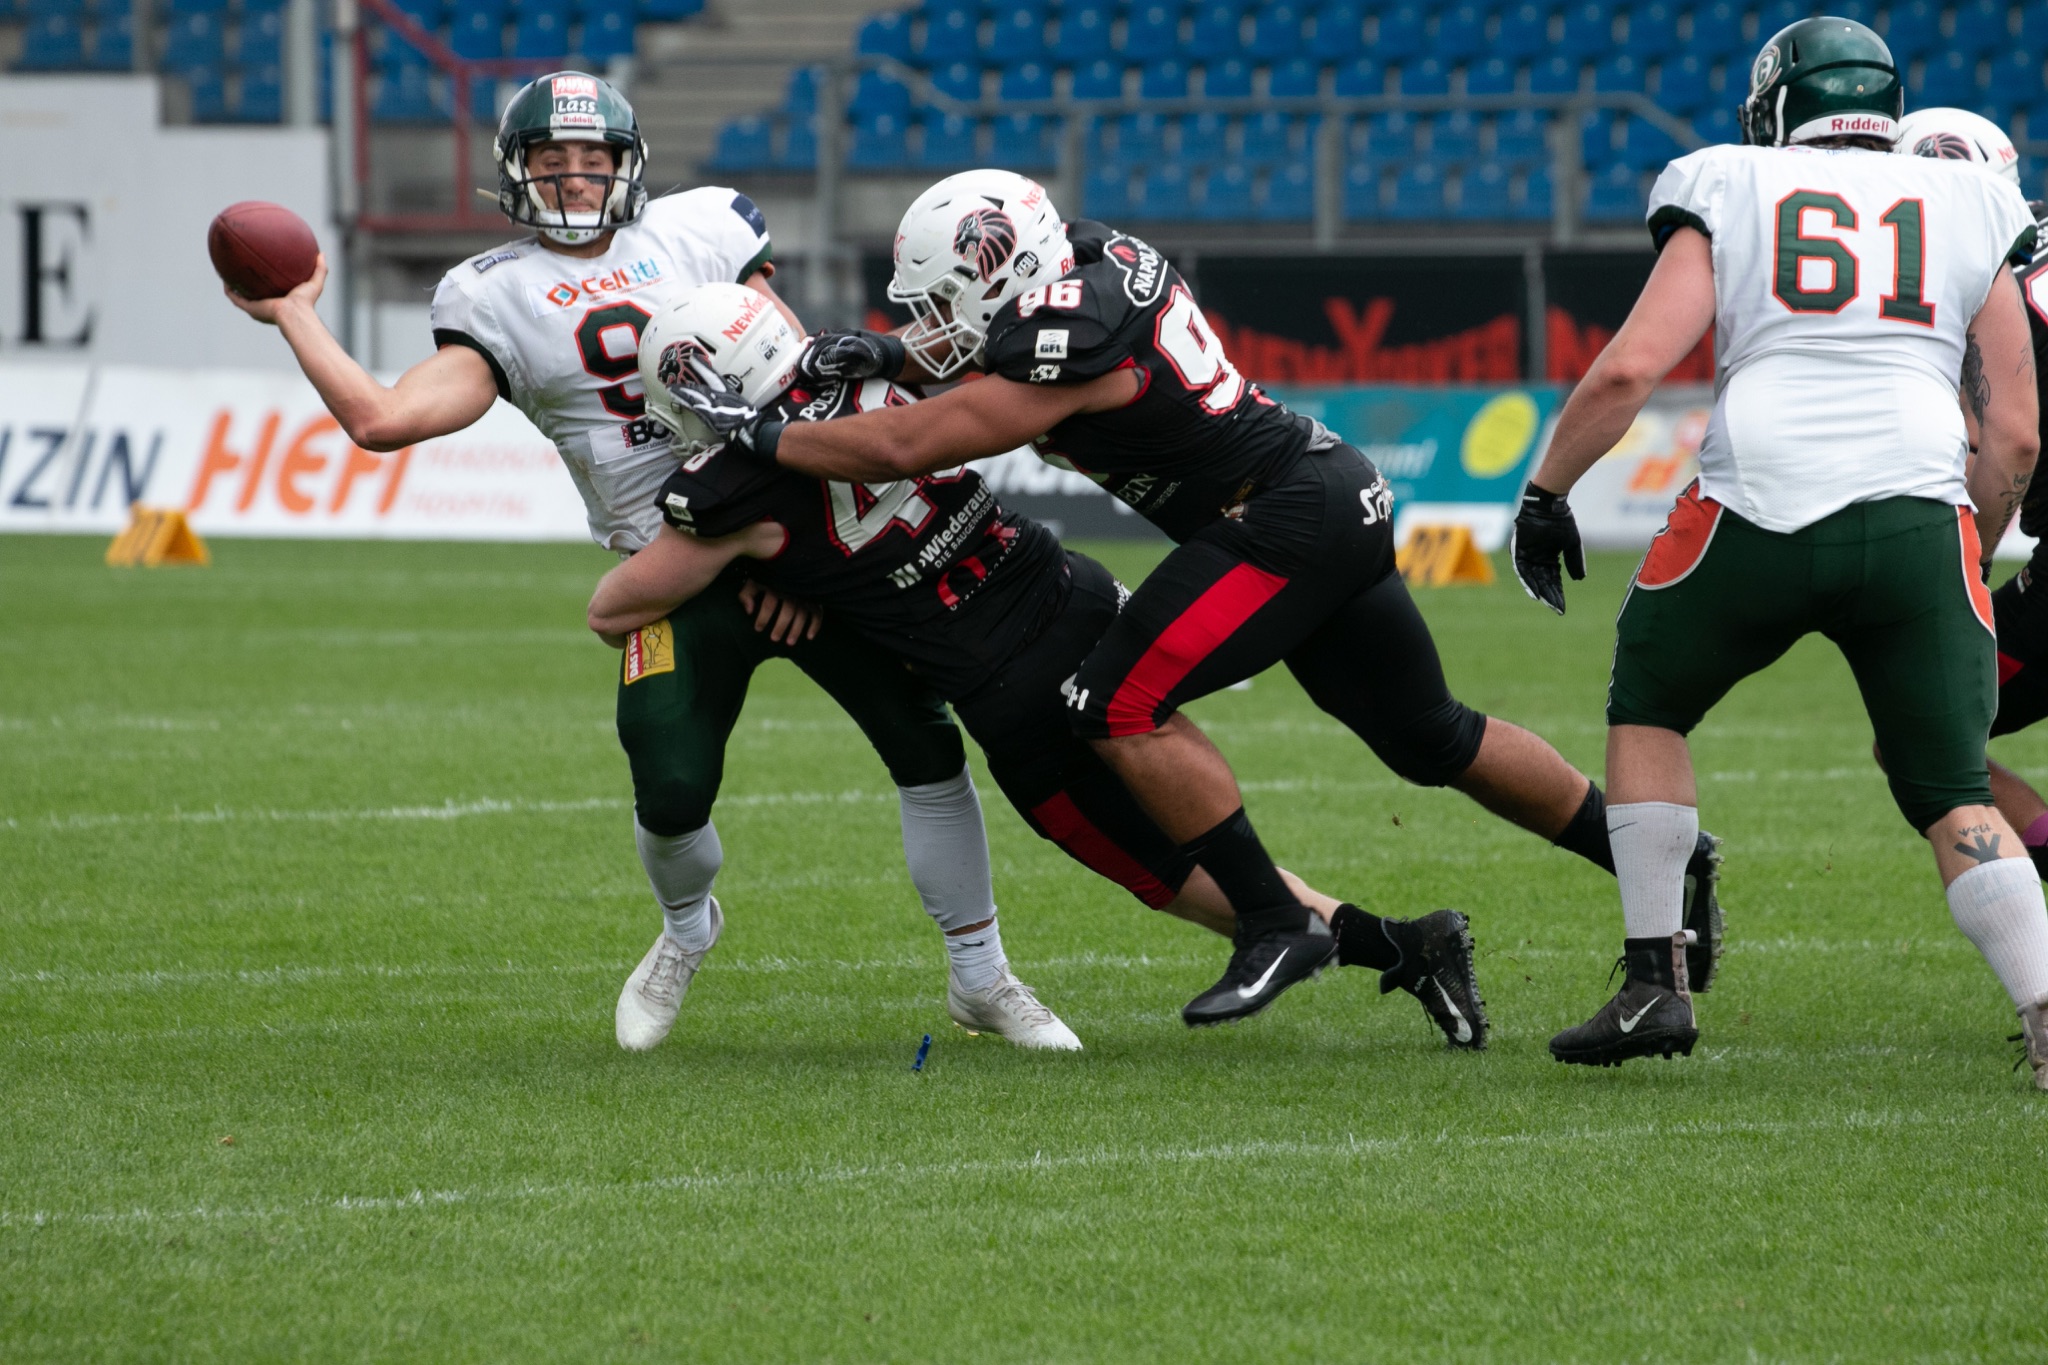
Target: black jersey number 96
x=608, y=341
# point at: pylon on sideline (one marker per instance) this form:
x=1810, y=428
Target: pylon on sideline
x=157, y=535
x=1437, y=556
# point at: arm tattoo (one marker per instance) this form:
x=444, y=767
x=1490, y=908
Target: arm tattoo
x=1976, y=388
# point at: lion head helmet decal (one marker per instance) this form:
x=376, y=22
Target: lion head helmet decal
x=984, y=239
x=1945, y=147
x=683, y=362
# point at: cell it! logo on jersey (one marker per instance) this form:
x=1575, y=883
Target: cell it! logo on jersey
x=625, y=279
x=1143, y=269
x=985, y=238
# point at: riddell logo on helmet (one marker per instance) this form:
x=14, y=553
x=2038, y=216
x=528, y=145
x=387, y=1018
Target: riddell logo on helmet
x=1876, y=124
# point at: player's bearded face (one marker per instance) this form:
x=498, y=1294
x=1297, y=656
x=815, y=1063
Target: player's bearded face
x=572, y=177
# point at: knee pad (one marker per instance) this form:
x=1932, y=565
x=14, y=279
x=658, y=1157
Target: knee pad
x=1435, y=748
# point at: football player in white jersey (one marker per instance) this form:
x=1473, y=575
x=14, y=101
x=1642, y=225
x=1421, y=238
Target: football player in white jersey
x=1853, y=293
x=551, y=323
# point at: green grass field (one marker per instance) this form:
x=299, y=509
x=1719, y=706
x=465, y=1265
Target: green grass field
x=317, y=887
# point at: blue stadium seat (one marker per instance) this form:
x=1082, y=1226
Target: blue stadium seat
x=1216, y=32
x=1647, y=147
x=1337, y=31
x=958, y=81
x=1226, y=195
x=54, y=42
x=1717, y=125
x=478, y=32
x=1276, y=31
x=878, y=144
x=1290, y=195
x=1492, y=76
x=1361, y=78
x=1418, y=193
x=1524, y=32
x=1295, y=78
x=948, y=142
x=1025, y=81
x=800, y=96
x=1950, y=78
x=1105, y=193
x=1619, y=74
x=668, y=11
x=1717, y=31
x=1615, y=195
x=1101, y=79
x=113, y=43
x=1425, y=76
x=1778, y=14
x=1153, y=32
x=428, y=14
x=1166, y=79
x=1018, y=36
x=1163, y=193
x=1083, y=36
x=1483, y=193
x=1554, y=75
x=2033, y=34
x=744, y=144
x=1229, y=79
x=884, y=35
x=607, y=33
x=1140, y=138
x=1683, y=83
x=1862, y=11
x=483, y=98
x=1383, y=139
x=1454, y=139
x=1460, y=34
x=949, y=36
x=1588, y=30
x=261, y=97
x=406, y=93
x=1362, y=196
x=172, y=7
x=799, y=150
x=2016, y=80
x=1597, y=134
x=1269, y=137
x=262, y=39
x=1533, y=204
x=877, y=92
x=1522, y=138
x=1652, y=31
x=541, y=34
x=1981, y=27
x=1400, y=34
x=1023, y=142
x=1911, y=28
x=209, y=94
x=61, y=9
x=192, y=41
x=1204, y=139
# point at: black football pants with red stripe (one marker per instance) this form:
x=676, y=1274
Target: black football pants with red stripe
x=1304, y=576
x=2020, y=607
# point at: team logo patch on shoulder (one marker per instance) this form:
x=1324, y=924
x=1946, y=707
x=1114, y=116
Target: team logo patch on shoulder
x=1052, y=343
x=1044, y=374
x=984, y=239
x=649, y=650
x=484, y=263
x=748, y=210
x=1143, y=269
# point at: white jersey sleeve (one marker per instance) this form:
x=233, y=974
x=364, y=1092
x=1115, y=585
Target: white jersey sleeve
x=1688, y=194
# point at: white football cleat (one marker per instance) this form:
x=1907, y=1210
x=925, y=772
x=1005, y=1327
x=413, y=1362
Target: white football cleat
x=1010, y=1010
x=654, y=992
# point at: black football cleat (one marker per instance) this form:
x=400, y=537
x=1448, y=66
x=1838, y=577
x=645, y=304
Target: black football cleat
x=1703, y=913
x=1261, y=967
x=1436, y=968
x=1650, y=1016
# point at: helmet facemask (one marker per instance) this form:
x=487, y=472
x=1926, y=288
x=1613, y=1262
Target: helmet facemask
x=620, y=204
x=942, y=336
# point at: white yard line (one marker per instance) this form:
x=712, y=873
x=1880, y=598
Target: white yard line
x=905, y=1173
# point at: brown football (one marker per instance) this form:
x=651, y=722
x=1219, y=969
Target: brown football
x=261, y=250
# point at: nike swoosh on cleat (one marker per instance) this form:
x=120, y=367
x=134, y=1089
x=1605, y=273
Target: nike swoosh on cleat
x=1464, y=1029
x=1629, y=1025
x=1247, y=992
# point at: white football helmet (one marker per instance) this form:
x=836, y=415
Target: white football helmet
x=970, y=244
x=722, y=336
x=1958, y=135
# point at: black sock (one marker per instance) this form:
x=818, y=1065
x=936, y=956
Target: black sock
x=1233, y=855
x=2039, y=853
x=1586, y=835
x=1362, y=940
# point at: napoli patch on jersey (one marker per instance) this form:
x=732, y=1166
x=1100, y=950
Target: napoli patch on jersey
x=1143, y=269
x=748, y=210
x=1052, y=343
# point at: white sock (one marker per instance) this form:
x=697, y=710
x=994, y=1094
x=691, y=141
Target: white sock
x=977, y=957
x=1652, y=841
x=1999, y=907
x=946, y=848
x=681, y=868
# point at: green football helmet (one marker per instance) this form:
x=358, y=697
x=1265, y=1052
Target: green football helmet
x=570, y=106
x=1819, y=78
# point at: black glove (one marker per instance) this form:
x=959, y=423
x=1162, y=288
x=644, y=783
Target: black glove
x=1544, y=530
x=835, y=356
x=736, y=423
